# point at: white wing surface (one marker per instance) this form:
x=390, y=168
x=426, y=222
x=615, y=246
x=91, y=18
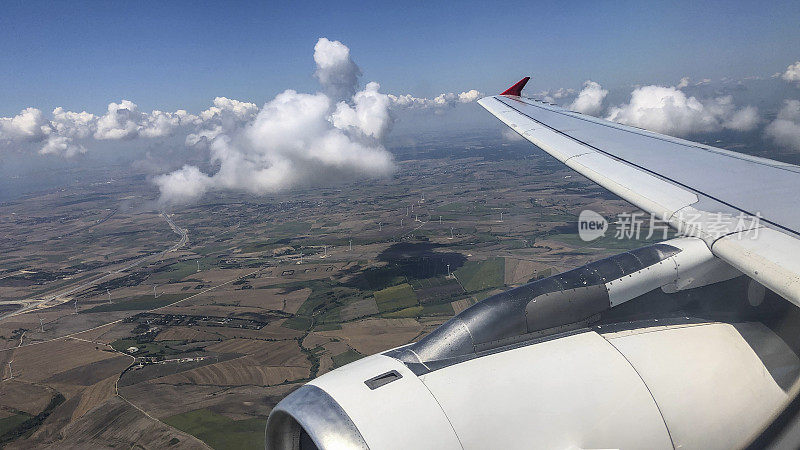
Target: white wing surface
x=745, y=208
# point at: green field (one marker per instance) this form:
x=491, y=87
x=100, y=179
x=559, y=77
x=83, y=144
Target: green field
x=220, y=432
x=11, y=422
x=442, y=309
x=298, y=323
x=395, y=297
x=346, y=358
x=160, y=348
x=324, y=304
x=382, y=277
x=182, y=269
x=481, y=275
x=143, y=302
x=431, y=282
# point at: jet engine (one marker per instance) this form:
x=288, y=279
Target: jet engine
x=659, y=347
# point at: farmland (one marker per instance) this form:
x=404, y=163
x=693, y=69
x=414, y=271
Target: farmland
x=194, y=345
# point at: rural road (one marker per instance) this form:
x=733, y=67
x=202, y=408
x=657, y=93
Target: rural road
x=33, y=303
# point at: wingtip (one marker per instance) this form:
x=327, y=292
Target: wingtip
x=517, y=88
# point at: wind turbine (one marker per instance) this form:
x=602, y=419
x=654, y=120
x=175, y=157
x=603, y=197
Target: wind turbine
x=109, y=295
x=451, y=232
x=76, y=305
x=41, y=322
x=10, y=372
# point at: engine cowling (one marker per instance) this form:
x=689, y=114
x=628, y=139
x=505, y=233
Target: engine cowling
x=533, y=367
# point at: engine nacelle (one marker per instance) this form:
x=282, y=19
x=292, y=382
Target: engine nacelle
x=526, y=368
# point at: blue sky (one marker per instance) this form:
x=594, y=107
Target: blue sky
x=171, y=55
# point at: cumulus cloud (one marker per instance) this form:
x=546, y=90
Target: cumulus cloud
x=256, y=150
x=444, y=100
x=184, y=185
x=225, y=116
x=296, y=138
x=469, y=96
x=362, y=116
x=121, y=121
x=28, y=125
x=669, y=110
x=72, y=124
x=590, y=99
x=785, y=129
x=368, y=114
x=61, y=146
x=792, y=72
x=160, y=123
x=336, y=71
x=62, y=132
x=510, y=135
x=551, y=96
x=745, y=119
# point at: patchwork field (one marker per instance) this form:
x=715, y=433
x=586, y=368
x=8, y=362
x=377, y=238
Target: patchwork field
x=138, y=336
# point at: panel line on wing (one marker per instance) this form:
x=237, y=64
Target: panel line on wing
x=648, y=134
x=650, y=171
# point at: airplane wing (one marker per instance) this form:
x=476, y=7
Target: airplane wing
x=745, y=208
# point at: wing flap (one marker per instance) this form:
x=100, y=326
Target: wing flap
x=765, y=255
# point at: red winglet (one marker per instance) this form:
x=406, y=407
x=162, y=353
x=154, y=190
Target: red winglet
x=517, y=88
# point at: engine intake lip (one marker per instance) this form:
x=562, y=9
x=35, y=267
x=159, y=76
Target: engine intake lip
x=311, y=413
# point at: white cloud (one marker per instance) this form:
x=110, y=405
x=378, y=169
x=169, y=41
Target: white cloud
x=28, y=125
x=226, y=109
x=185, y=185
x=295, y=139
x=61, y=146
x=792, y=72
x=368, y=115
x=336, y=71
x=590, y=99
x=469, y=96
x=669, y=110
x=563, y=93
x=785, y=129
x=121, y=121
x=160, y=123
x=71, y=124
x=745, y=119
x=225, y=116
x=364, y=116
x=444, y=100
x=557, y=94
x=510, y=135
